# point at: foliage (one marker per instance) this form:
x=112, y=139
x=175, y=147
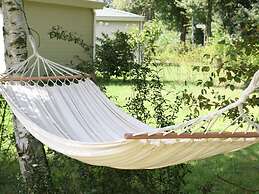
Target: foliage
x=234, y=68
x=148, y=88
x=140, y=75
x=239, y=17
x=177, y=14
x=81, y=178
x=173, y=13
x=115, y=55
x=10, y=180
x=195, y=9
x=240, y=48
x=120, y=4
x=143, y=7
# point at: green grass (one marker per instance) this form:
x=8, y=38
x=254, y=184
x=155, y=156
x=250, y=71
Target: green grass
x=176, y=78
x=240, y=168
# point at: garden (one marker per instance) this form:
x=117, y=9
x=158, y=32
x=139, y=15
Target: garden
x=180, y=77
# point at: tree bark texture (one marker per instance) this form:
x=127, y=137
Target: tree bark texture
x=183, y=24
x=209, y=18
x=31, y=153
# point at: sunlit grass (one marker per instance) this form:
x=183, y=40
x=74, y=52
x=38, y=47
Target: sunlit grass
x=176, y=79
x=241, y=167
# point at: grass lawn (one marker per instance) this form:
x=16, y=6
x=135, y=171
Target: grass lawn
x=175, y=78
x=236, y=172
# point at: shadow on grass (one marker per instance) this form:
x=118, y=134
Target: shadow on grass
x=236, y=172
x=121, y=82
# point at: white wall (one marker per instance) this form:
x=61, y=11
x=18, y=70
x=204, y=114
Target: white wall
x=42, y=17
x=109, y=27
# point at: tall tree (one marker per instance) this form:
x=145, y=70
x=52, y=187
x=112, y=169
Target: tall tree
x=142, y=7
x=120, y=4
x=209, y=17
x=175, y=15
x=31, y=153
x=240, y=20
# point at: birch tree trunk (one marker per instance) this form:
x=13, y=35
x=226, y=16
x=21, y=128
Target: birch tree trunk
x=31, y=153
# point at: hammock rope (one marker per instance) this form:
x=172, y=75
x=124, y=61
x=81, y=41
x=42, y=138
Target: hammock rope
x=65, y=110
x=37, y=68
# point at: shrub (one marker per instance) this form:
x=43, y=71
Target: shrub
x=115, y=55
x=148, y=91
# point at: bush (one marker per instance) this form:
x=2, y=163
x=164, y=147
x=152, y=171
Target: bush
x=149, y=105
x=115, y=55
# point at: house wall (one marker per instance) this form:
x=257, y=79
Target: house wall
x=109, y=27
x=42, y=16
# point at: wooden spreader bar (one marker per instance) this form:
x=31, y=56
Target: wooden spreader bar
x=199, y=135
x=43, y=78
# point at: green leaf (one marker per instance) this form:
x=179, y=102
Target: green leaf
x=196, y=68
x=205, y=69
x=222, y=79
x=232, y=87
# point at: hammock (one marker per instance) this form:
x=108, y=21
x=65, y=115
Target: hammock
x=66, y=111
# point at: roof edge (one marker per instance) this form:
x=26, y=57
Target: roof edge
x=74, y=3
x=110, y=14
x=111, y=18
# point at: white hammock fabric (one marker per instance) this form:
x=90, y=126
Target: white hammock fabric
x=75, y=118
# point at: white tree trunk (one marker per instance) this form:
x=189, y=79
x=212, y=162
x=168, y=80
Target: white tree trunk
x=31, y=153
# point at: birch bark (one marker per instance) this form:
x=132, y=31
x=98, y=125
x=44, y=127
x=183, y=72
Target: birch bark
x=31, y=154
